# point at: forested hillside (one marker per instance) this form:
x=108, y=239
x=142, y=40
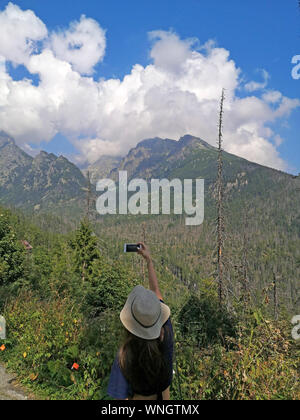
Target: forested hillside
x=261, y=212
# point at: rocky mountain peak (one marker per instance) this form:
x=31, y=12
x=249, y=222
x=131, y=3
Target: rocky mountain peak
x=155, y=142
x=45, y=156
x=5, y=139
x=189, y=140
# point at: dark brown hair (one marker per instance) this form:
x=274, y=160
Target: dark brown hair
x=144, y=365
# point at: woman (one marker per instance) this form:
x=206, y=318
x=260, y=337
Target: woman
x=143, y=367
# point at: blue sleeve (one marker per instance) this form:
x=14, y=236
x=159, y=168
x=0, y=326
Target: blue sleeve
x=118, y=386
x=169, y=340
x=169, y=346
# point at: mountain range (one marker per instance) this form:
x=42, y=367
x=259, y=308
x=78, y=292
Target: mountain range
x=191, y=157
x=43, y=182
x=47, y=182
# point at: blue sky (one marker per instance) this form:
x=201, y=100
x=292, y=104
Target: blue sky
x=259, y=34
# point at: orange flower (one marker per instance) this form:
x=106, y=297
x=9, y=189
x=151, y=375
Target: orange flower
x=33, y=376
x=2, y=348
x=75, y=366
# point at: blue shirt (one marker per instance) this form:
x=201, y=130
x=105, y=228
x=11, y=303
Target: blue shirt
x=118, y=386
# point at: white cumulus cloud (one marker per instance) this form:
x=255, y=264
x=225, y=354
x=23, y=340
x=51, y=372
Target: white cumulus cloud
x=177, y=93
x=83, y=45
x=19, y=33
x=254, y=86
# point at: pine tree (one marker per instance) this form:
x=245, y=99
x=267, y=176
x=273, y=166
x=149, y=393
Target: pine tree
x=11, y=253
x=85, y=245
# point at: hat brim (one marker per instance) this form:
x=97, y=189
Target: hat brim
x=134, y=327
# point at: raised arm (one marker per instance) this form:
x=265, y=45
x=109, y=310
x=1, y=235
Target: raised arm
x=153, y=282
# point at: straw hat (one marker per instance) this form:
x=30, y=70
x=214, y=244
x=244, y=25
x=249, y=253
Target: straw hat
x=143, y=314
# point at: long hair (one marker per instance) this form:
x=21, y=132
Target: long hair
x=144, y=365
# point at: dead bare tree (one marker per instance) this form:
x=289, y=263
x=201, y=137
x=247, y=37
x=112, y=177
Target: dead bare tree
x=245, y=262
x=88, y=196
x=275, y=293
x=220, y=205
x=142, y=260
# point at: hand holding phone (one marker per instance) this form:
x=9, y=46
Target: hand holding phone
x=144, y=251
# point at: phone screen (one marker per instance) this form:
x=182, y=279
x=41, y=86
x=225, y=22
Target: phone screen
x=131, y=247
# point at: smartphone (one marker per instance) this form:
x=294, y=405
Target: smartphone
x=131, y=247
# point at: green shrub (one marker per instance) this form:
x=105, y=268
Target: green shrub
x=108, y=287
x=260, y=364
x=39, y=335
x=202, y=320
x=45, y=339
x=11, y=253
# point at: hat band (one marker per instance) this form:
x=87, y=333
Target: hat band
x=144, y=326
